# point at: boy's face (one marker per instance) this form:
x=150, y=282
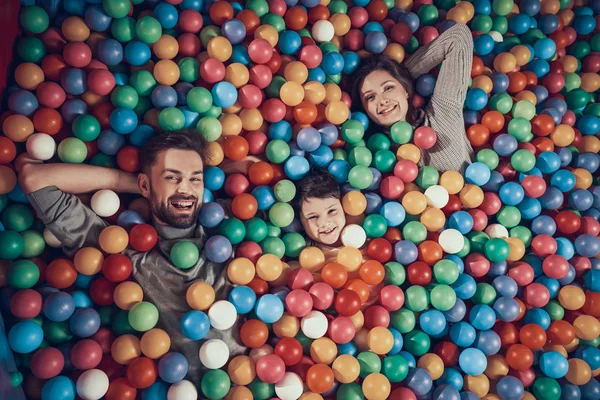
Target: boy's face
x=323, y=219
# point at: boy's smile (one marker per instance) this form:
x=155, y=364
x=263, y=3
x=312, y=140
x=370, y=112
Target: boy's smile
x=323, y=219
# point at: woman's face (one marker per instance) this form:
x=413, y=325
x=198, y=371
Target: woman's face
x=384, y=98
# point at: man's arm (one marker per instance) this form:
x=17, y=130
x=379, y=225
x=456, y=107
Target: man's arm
x=72, y=178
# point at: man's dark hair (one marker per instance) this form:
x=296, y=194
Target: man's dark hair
x=317, y=183
x=394, y=68
x=186, y=139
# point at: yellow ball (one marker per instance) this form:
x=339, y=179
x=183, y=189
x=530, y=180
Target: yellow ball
x=286, y=326
x=268, y=33
x=396, y=51
x=583, y=178
x=251, y=118
x=579, y=372
x=296, y=71
x=311, y=396
x=354, y=203
x=312, y=258
x=434, y=219
x=214, y=154
x=155, y=343
x=380, y=340
x=516, y=249
x=521, y=53
x=414, y=203
x=590, y=144
x=74, y=29
x=480, y=384
x=452, y=181
x=484, y=83
x=332, y=93
x=323, y=351
x=571, y=297
x=358, y=320
x=233, y=109
x=268, y=267
x=113, y=239
x=376, y=387
x=471, y=196
x=237, y=74
x=239, y=393
x=166, y=47
x=166, y=72
x=127, y=294
x=241, y=370
x=341, y=24
x=562, y=135
x=231, y=124
x=586, y=327
x=241, y=271
x=346, y=368
x=433, y=364
x=291, y=93
x=505, y=62
x=88, y=261
x=314, y=92
x=200, y=295
x=410, y=152
x=125, y=349
x=497, y=367
x=220, y=48
x=337, y=112
x=350, y=257
x=590, y=82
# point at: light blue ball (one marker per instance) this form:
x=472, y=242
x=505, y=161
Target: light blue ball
x=472, y=361
x=195, y=325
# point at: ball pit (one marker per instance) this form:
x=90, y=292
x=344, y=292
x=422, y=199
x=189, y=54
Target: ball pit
x=476, y=285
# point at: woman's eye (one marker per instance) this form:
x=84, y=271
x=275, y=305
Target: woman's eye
x=388, y=88
x=369, y=98
x=312, y=218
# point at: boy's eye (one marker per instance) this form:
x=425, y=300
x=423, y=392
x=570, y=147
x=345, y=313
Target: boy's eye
x=332, y=212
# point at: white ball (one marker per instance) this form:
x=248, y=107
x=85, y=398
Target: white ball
x=497, y=36
x=50, y=239
x=290, y=387
x=451, y=241
x=437, y=196
x=353, y=235
x=496, y=231
x=41, y=146
x=222, y=315
x=257, y=353
x=182, y=390
x=314, y=325
x=105, y=202
x=92, y=384
x=214, y=353
x=323, y=31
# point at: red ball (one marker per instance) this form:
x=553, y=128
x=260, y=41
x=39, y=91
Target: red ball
x=257, y=142
x=290, y=351
x=250, y=96
x=300, y=278
x=273, y=110
x=142, y=373
x=480, y=219
x=555, y=266
x=491, y=203
x=401, y=33
x=358, y=17
x=419, y=273
x=589, y=225
x=260, y=76
x=391, y=187
x=128, y=159
x=26, y=304
x=117, y=267
x=354, y=40
x=50, y=94
x=212, y=70
x=544, y=245
x=86, y=354
x=347, y=303
x=77, y=54
x=112, y=368
x=534, y=186
x=142, y=237
x=101, y=81
x=448, y=352
x=270, y=368
x=322, y=295
x=536, y=295
x=260, y=51
x=454, y=205
x=105, y=338
x=236, y=184
x=101, y=291
x=403, y=393
x=249, y=250
x=406, y=170
x=190, y=21
x=380, y=249
x=376, y=316
x=427, y=35
x=568, y=222
x=189, y=44
x=477, y=265
x=522, y=273
x=120, y=389
x=47, y=363
x=311, y=56
x=298, y=303
x=391, y=297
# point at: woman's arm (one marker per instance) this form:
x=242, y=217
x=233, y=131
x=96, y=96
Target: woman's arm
x=454, y=50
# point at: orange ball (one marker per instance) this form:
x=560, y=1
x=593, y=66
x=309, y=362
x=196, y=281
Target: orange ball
x=269, y=267
x=155, y=343
x=519, y=357
x=113, y=239
x=430, y=252
x=17, y=128
x=61, y=273
x=241, y=271
x=74, y=29
x=533, y=336
x=244, y=206
x=372, y=272
x=323, y=350
x=505, y=62
x=334, y=274
x=305, y=112
x=200, y=295
x=242, y=370
x=125, y=349
x=88, y=261
x=319, y=378
x=359, y=287
x=166, y=72
x=286, y=326
x=254, y=333
x=29, y=76
x=127, y=294
x=261, y=173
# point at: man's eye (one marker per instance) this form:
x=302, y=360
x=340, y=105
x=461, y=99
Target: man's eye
x=197, y=179
x=171, y=178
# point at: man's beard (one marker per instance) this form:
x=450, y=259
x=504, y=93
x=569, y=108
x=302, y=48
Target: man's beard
x=166, y=214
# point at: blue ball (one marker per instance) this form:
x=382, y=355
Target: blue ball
x=553, y=364
x=537, y=316
x=510, y=388
x=584, y=24
x=462, y=221
x=530, y=7
x=240, y=54
x=462, y=334
x=224, y=94
x=552, y=199
x=348, y=348
x=452, y=377
x=505, y=286
x=465, y=287
x=82, y=299
x=333, y=63
x=376, y=42
x=166, y=14
x=419, y=381
x=543, y=224
x=141, y=134
x=195, y=325
x=214, y=178
x=296, y=167
x=398, y=342
x=500, y=82
x=548, y=23
x=581, y=199
x=282, y=130
x=495, y=182
x=432, y=322
x=218, y=249
x=539, y=67
x=308, y=139
x=405, y=252
x=374, y=202
x=505, y=145
x=172, y=367
x=123, y=120
x=58, y=388
x=446, y=392
x=243, y=298
x=488, y=342
x=110, y=142
x=339, y=169
x=530, y=208
x=96, y=18
x=476, y=99
x=71, y=109
x=74, y=81
x=393, y=212
x=548, y=162
x=129, y=218
x=425, y=85
x=321, y=157
x=84, y=322
x=163, y=96
x=235, y=31
x=211, y=215
x=351, y=62
x=482, y=317
x=23, y=102
x=316, y=74
x=328, y=132
x=137, y=53
x=25, y=337
x=544, y=48
x=511, y=193
x=506, y=308
x=519, y=24
x=472, y=361
x=483, y=44
x=158, y=390
x=587, y=245
x=290, y=42
x=264, y=196
x=269, y=308
x=590, y=355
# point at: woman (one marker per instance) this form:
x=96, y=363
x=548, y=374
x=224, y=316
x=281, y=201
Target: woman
x=384, y=88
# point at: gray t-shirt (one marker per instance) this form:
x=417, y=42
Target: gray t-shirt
x=164, y=284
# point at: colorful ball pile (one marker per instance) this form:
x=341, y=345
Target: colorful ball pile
x=477, y=285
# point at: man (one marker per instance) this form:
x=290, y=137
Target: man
x=171, y=179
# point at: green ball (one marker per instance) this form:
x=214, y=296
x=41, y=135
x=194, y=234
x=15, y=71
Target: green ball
x=520, y=128
x=103, y=160
x=401, y=132
x=415, y=232
x=378, y=141
x=375, y=225
x=484, y=294
x=275, y=21
x=338, y=7
x=340, y=154
x=428, y=14
x=233, y=229
x=497, y=250
x=17, y=217
x=384, y=161
x=184, y=254
x=124, y=96
x=427, y=177
x=261, y=390
x=545, y=388
x=143, y=82
x=489, y=157
x=500, y=24
x=403, y=320
x=360, y=177
x=502, y=7
x=417, y=343
x=23, y=274
x=273, y=245
x=294, y=244
x=595, y=42
x=215, y=384
x=123, y=29
x=34, y=19
x=281, y=214
x=522, y=233
x=107, y=314
x=148, y=29
x=412, y=45
x=3, y=202
x=207, y=33
x=260, y=7
x=417, y=298
x=482, y=23
x=394, y=273
x=31, y=49
x=34, y=244
x=572, y=81
x=72, y=150
x=256, y=230
x=16, y=378
x=442, y=297
x=189, y=69
x=285, y=190
x=360, y=156
x=446, y=272
x=577, y=98
x=349, y=391
x=465, y=250
x=328, y=47
x=522, y=160
x=272, y=91
x=143, y=105
x=11, y=245
x=555, y=310
x=509, y=216
x=501, y=102
x=369, y=362
x=143, y=316
x=171, y=119
x=86, y=127
x=121, y=326
x=395, y=368
x=352, y=131
x=210, y=128
x=214, y=111
x=277, y=151
x=273, y=231
x=478, y=241
x=57, y=332
x=199, y=99
x=116, y=8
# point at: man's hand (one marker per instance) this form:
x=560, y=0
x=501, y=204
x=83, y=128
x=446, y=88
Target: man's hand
x=239, y=167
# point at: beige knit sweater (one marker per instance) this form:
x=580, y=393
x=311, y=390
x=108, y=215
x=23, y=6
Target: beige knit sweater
x=444, y=113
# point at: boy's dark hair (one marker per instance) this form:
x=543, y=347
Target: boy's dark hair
x=317, y=183
x=394, y=68
x=185, y=139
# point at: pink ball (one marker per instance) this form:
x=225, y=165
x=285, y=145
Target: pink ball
x=212, y=70
x=555, y=266
x=527, y=377
x=273, y=110
x=544, y=245
x=86, y=354
x=298, y=302
x=190, y=21
x=101, y=82
x=236, y=184
x=249, y=250
x=270, y=368
x=261, y=76
x=534, y=186
x=322, y=295
x=406, y=170
x=480, y=219
x=537, y=295
x=491, y=203
x=260, y=51
x=77, y=54
x=391, y=187
x=26, y=304
x=477, y=265
x=250, y=96
x=376, y=316
x=277, y=7
x=358, y=17
x=311, y=56
x=590, y=226
x=522, y=273
x=47, y=363
x=403, y=393
x=425, y=137
x=391, y=298
x=341, y=330
x=427, y=35
x=300, y=278
x=50, y=94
